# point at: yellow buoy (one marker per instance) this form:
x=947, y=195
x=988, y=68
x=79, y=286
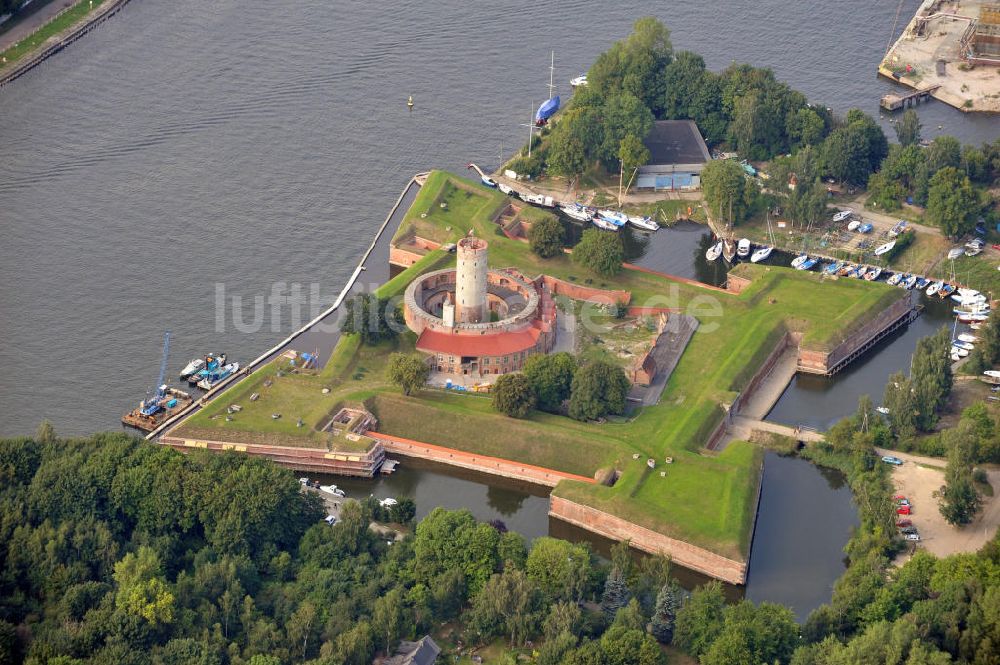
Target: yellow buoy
x=409, y=102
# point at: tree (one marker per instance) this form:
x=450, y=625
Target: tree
x=546, y=237
x=453, y=540
x=634, y=66
x=908, y=128
x=944, y=151
x=700, y=619
x=598, y=388
x=665, y=614
x=507, y=600
x=853, y=152
x=681, y=81
x=389, y=617
x=632, y=154
x=727, y=191
x=621, y=645
x=931, y=378
x=560, y=569
x=551, y=378
x=600, y=251
x=301, y=626
x=805, y=127
x=901, y=404
x=142, y=591
x=952, y=202
x=616, y=594
x=407, y=371
x=767, y=633
x=512, y=395
x=959, y=501
x=370, y=317
x=567, y=155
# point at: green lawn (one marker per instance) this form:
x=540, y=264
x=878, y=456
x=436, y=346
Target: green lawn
x=53, y=27
x=705, y=498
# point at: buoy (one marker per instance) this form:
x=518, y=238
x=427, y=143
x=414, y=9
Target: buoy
x=409, y=102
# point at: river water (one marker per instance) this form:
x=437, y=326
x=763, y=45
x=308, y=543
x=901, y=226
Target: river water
x=189, y=153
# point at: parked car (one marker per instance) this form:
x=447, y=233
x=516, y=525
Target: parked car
x=903, y=510
x=902, y=502
x=330, y=519
x=904, y=522
x=909, y=530
x=913, y=537
x=897, y=497
x=889, y=459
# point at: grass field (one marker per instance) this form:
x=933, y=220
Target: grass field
x=704, y=498
x=53, y=27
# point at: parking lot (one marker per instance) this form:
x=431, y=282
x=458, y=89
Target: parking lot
x=917, y=479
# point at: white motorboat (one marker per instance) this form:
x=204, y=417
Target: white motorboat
x=842, y=215
x=965, y=346
x=973, y=318
x=883, y=410
x=714, y=252
x=604, y=224
x=488, y=181
x=387, y=502
x=853, y=225
x=887, y=247
x=966, y=337
x=506, y=189
x=578, y=81
x=644, y=223
x=934, y=288
x=761, y=254
x=743, y=248
x=992, y=373
x=895, y=279
x=539, y=200
x=800, y=261
x=958, y=353
x=192, y=367
x=955, y=252
x=576, y=212
x=873, y=274
x=332, y=489
x=212, y=378
x=970, y=293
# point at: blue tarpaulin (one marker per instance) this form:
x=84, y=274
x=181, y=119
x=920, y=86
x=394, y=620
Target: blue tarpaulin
x=547, y=110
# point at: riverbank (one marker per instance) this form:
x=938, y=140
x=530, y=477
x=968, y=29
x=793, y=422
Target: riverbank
x=60, y=31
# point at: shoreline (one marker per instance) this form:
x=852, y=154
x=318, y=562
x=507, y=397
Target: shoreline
x=57, y=42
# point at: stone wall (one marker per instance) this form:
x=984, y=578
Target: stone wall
x=647, y=540
x=736, y=284
x=558, y=287
x=821, y=362
x=319, y=460
x=483, y=463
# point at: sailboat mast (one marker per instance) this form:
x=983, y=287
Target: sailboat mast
x=552, y=73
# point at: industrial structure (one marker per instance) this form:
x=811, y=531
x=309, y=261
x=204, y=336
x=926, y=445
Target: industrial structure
x=477, y=322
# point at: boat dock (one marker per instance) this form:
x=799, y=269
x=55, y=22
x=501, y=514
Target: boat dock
x=893, y=102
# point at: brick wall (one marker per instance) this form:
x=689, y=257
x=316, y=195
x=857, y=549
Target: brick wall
x=736, y=284
x=578, y=292
x=820, y=362
x=647, y=540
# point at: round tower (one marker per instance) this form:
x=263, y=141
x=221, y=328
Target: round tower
x=470, y=280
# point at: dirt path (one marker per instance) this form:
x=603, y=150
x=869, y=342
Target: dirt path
x=917, y=479
x=20, y=27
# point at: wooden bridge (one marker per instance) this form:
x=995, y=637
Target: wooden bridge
x=893, y=102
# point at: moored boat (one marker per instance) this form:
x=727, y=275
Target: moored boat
x=966, y=337
x=945, y=291
x=910, y=282
x=973, y=318
x=898, y=228
x=842, y=215
x=218, y=375
x=578, y=81
x=761, y=254
x=934, y=288
x=873, y=274
x=845, y=269
x=604, y=224
x=922, y=283
x=714, y=252
x=958, y=351
x=506, y=189
x=488, y=181
x=728, y=250
x=799, y=261
x=808, y=265
x=743, y=248
x=194, y=366
x=853, y=225
x=577, y=212
x=894, y=279
x=333, y=489
x=619, y=219
x=546, y=111
x=644, y=223
x=959, y=344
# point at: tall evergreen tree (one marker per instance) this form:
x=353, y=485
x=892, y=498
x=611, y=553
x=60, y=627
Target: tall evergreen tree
x=665, y=615
x=616, y=594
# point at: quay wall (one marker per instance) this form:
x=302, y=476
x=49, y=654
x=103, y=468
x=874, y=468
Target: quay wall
x=363, y=464
x=687, y=555
x=483, y=463
x=58, y=42
x=823, y=362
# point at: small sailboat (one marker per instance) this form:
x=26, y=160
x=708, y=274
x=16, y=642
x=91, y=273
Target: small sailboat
x=973, y=318
x=955, y=252
x=619, y=219
x=761, y=254
x=644, y=223
x=577, y=212
x=894, y=279
x=934, y=288
x=728, y=250
x=910, y=282
x=832, y=268
x=743, y=248
x=808, y=265
x=992, y=373
x=842, y=215
x=883, y=410
x=579, y=81
x=873, y=274
x=945, y=291
x=714, y=252
x=883, y=249
x=922, y=283
x=800, y=261
x=488, y=181
x=845, y=269
x=853, y=225
x=962, y=345
x=194, y=366
x=899, y=228
x=966, y=337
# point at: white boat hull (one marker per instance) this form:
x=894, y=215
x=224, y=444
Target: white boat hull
x=762, y=254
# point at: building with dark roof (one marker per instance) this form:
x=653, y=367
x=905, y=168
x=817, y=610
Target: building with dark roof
x=677, y=155
x=422, y=652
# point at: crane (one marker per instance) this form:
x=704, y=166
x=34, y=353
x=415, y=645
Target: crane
x=154, y=404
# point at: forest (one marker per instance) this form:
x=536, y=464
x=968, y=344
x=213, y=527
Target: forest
x=118, y=551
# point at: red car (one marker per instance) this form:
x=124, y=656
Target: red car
x=903, y=510
x=904, y=523
x=898, y=497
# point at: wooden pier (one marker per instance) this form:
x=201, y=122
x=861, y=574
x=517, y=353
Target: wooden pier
x=892, y=102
